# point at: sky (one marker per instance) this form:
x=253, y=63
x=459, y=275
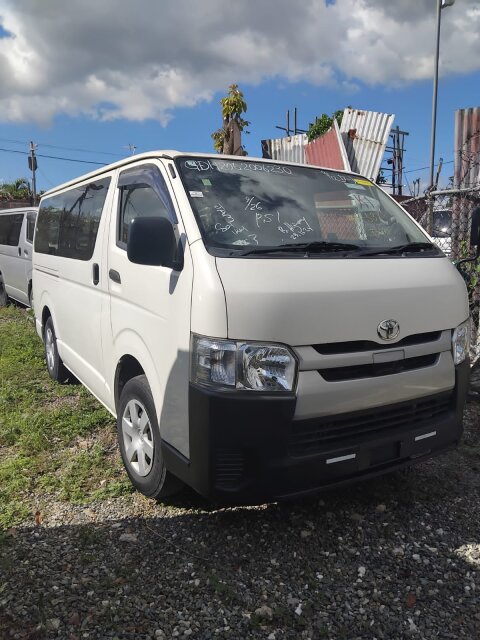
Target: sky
x=91, y=81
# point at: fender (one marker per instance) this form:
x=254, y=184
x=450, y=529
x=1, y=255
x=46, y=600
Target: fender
x=129, y=342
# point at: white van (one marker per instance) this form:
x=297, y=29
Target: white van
x=16, y=237
x=260, y=329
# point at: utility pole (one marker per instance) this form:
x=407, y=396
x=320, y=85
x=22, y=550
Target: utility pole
x=32, y=165
x=287, y=129
x=441, y=4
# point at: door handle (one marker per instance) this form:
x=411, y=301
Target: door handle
x=115, y=276
x=25, y=252
x=95, y=273
x=19, y=251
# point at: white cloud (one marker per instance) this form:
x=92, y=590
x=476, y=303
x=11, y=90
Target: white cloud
x=141, y=60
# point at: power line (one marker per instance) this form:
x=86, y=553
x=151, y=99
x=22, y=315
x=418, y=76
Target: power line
x=46, y=178
x=422, y=168
x=53, y=146
x=41, y=155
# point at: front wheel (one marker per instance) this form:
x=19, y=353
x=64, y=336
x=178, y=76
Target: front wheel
x=55, y=366
x=140, y=443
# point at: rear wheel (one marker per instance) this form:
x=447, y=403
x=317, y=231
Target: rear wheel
x=55, y=366
x=140, y=442
x=3, y=295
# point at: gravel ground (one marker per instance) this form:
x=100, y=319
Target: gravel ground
x=397, y=557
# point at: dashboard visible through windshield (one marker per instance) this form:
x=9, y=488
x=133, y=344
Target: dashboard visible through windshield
x=246, y=207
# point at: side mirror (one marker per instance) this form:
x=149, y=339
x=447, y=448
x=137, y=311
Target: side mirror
x=151, y=241
x=475, y=230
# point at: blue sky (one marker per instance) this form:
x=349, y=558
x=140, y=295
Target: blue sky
x=134, y=92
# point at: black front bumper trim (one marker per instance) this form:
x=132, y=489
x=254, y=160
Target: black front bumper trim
x=239, y=446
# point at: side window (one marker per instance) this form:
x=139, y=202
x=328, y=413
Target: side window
x=10, y=227
x=143, y=193
x=30, y=226
x=68, y=223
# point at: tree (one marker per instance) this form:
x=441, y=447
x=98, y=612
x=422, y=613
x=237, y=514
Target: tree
x=227, y=139
x=323, y=124
x=17, y=190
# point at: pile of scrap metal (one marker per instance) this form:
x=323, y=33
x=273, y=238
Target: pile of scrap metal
x=357, y=145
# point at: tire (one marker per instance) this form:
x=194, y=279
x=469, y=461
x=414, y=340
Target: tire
x=30, y=296
x=140, y=442
x=3, y=295
x=55, y=366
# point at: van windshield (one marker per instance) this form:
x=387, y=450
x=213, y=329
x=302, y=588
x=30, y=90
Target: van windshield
x=245, y=207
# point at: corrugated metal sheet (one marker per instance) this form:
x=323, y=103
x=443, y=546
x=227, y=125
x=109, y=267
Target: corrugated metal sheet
x=467, y=148
x=328, y=150
x=288, y=149
x=365, y=136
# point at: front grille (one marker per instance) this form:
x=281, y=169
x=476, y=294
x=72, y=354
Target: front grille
x=310, y=437
x=229, y=468
x=378, y=369
x=357, y=346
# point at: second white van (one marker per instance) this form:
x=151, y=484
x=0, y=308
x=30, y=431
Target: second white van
x=260, y=330
x=16, y=244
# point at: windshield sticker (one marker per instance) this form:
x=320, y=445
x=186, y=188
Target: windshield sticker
x=196, y=194
x=366, y=183
x=206, y=182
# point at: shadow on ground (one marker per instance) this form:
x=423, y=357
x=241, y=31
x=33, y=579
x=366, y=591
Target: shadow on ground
x=396, y=557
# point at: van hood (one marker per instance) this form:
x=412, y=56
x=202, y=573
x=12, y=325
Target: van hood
x=314, y=301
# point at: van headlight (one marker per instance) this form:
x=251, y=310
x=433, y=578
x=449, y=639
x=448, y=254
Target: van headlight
x=242, y=365
x=461, y=342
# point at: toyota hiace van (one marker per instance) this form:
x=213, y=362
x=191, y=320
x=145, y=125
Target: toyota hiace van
x=16, y=237
x=260, y=330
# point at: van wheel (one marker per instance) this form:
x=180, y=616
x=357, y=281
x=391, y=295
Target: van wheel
x=30, y=296
x=3, y=295
x=140, y=442
x=55, y=366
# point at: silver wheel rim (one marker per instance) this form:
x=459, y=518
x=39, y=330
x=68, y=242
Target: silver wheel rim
x=137, y=438
x=50, y=349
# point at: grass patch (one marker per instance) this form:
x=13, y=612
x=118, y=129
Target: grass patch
x=56, y=441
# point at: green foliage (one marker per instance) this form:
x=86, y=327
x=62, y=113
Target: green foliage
x=469, y=270
x=323, y=124
x=17, y=190
x=56, y=441
x=233, y=106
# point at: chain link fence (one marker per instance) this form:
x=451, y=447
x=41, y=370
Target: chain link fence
x=447, y=216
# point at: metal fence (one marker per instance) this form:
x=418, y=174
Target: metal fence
x=446, y=215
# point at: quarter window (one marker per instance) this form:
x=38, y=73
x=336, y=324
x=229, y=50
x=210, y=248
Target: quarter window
x=68, y=222
x=10, y=227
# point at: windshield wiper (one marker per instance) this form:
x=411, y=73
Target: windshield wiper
x=411, y=247
x=304, y=247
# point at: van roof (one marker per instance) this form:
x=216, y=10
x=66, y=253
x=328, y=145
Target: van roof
x=171, y=155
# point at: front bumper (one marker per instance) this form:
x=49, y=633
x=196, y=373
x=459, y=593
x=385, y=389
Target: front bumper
x=247, y=448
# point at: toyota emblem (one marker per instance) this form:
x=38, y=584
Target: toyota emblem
x=388, y=329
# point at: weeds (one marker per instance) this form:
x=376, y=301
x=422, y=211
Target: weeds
x=41, y=425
